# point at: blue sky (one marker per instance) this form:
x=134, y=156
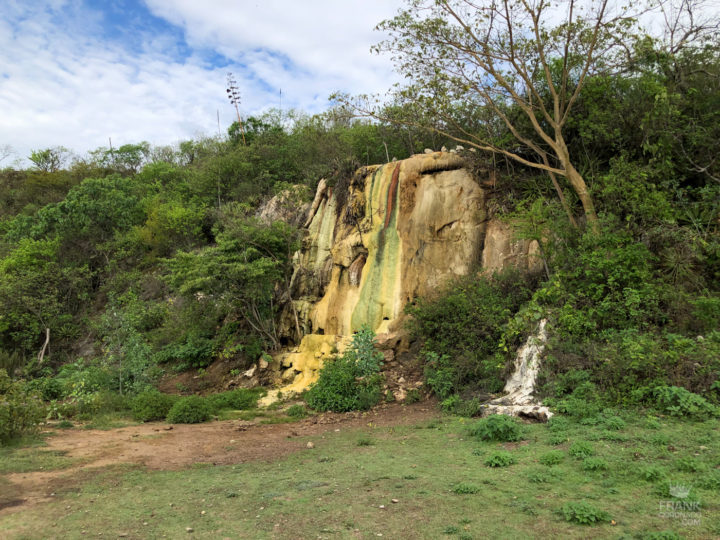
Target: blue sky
x=77, y=72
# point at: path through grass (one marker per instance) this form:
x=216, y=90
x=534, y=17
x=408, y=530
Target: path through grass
x=427, y=481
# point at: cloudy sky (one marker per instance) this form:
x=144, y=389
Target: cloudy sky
x=76, y=72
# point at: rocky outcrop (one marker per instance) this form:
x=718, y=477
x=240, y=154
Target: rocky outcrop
x=394, y=232
x=287, y=206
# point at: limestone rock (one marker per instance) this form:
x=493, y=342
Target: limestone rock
x=288, y=206
x=502, y=251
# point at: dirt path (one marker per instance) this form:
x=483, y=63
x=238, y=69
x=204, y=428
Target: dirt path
x=159, y=446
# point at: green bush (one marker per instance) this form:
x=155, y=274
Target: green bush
x=594, y=464
x=553, y=457
x=464, y=488
x=651, y=473
x=102, y=401
x=49, y=388
x=238, y=399
x=151, y=405
x=583, y=513
x=461, y=327
x=581, y=450
x=440, y=375
x=497, y=427
x=677, y=401
x=20, y=410
x=350, y=382
x=297, y=411
x=500, y=458
x=189, y=410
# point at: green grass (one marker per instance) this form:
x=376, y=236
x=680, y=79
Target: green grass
x=337, y=490
x=29, y=454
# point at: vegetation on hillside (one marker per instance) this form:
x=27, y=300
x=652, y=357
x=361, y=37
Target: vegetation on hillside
x=129, y=262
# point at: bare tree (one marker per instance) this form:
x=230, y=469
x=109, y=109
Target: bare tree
x=6, y=151
x=524, y=60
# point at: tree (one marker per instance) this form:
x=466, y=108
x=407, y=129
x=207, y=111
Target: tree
x=50, y=159
x=247, y=272
x=508, y=56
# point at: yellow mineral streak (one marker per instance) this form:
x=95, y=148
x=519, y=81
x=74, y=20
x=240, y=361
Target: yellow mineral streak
x=434, y=232
x=300, y=366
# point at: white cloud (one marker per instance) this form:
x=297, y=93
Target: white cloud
x=61, y=83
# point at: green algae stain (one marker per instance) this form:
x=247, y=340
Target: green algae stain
x=377, y=295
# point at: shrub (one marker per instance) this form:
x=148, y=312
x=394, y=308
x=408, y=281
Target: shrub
x=238, y=399
x=497, y=427
x=583, y=513
x=151, y=405
x=189, y=410
x=677, y=401
x=662, y=535
x=499, y=459
x=553, y=457
x=540, y=477
x=689, y=465
x=297, y=411
x=20, y=411
x=440, y=375
x=581, y=450
x=461, y=328
x=349, y=382
x=651, y=473
x=594, y=464
x=464, y=488
x=49, y=387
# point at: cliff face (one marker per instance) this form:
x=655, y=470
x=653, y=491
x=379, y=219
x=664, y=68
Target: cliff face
x=396, y=232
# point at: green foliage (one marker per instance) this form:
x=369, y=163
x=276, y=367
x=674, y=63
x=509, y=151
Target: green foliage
x=241, y=271
x=189, y=410
x=651, y=473
x=581, y=450
x=497, y=427
x=553, y=457
x=500, y=458
x=465, y=488
x=677, y=401
x=20, y=410
x=461, y=327
x=583, y=513
x=349, y=382
x=594, y=464
x=297, y=411
x=238, y=399
x=195, y=352
x=440, y=374
x=151, y=405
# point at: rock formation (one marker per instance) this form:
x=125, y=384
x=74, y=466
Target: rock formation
x=377, y=241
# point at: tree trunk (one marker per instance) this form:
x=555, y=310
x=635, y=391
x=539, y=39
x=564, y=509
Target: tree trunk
x=578, y=184
x=41, y=354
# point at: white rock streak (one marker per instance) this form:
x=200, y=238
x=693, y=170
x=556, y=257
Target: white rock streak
x=518, y=399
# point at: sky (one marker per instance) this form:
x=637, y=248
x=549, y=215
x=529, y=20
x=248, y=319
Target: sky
x=76, y=73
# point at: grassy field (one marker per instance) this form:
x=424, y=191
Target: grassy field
x=427, y=481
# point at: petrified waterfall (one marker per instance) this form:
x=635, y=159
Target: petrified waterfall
x=389, y=234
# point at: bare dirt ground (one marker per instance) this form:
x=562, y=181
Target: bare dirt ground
x=159, y=446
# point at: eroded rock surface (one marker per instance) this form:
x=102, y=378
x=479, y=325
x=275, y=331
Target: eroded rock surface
x=394, y=232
